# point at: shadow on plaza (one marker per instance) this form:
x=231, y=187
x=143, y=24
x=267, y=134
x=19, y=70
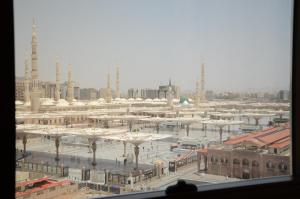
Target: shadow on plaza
x=78, y=162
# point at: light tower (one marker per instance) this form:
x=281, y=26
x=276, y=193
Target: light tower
x=70, y=91
x=35, y=92
x=27, y=81
x=118, y=83
x=57, y=86
x=202, y=91
x=108, y=90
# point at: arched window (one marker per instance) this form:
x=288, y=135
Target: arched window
x=255, y=163
x=270, y=165
x=245, y=162
x=224, y=160
x=236, y=161
x=214, y=159
x=282, y=167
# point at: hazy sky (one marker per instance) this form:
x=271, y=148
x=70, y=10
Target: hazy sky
x=245, y=44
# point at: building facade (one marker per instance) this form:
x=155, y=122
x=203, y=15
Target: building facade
x=88, y=94
x=20, y=88
x=246, y=164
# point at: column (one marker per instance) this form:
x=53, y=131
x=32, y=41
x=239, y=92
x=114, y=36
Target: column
x=94, y=147
x=136, y=152
x=24, y=145
x=157, y=127
x=198, y=161
x=124, y=148
x=221, y=132
x=130, y=125
x=187, y=129
x=205, y=162
x=256, y=121
x=57, y=146
x=90, y=144
x=205, y=129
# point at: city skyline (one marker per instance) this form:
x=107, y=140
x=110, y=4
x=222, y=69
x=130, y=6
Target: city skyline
x=178, y=56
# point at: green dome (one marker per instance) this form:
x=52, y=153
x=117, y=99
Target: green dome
x=183, y=98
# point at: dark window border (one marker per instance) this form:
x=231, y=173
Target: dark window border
x=278, y=187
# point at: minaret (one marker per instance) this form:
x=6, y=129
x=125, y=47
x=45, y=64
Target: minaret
x=197, y=94
x=35, y=92
x=57, y=86
x=108, y=91
x=118, y=83
x=170, y=94
x=202, y=91
x=27, y=81
x=70, y=91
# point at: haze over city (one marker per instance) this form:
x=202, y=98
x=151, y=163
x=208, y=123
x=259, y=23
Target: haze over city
x=245, y=45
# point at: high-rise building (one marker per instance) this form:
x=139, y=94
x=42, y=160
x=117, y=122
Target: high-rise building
x=284, y=95
x=47, y=89
x=209, y=94
x=149, y=93
x=89, y=94
x=163, y=90
x=102, y=93
x=76, y=92
x=133, y=93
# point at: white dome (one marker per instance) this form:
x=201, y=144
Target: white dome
x=17, y=102
x=185, y=102
x=62, y=102
x=94, y=103
x=47, y=102
x=27, y=104
x=78, y=103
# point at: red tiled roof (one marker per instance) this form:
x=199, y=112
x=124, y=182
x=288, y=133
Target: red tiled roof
x=282, y=143
x=274, y=136
x=240, y=138
x=49, y=183
x=24, y=183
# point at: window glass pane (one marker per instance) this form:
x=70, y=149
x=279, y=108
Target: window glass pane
x=130, y=96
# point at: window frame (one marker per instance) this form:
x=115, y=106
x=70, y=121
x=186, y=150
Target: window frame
x=282, y=186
